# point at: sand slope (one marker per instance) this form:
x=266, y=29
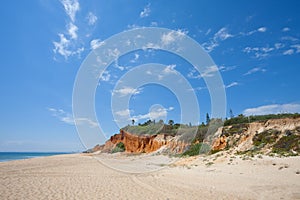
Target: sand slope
x=84, y=177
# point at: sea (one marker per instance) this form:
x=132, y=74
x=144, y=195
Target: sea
x=8, y=156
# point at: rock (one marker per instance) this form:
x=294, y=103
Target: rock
x=143, y=143
x=219, y=143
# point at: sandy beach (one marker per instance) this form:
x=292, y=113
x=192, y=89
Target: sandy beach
x=79, y=176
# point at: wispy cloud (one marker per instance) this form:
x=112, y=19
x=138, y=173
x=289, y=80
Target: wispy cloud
x=209, y=71
x=123, y=113
x=262, y=29
x=255, y=70
x=223, y=68
x=297, y=47
x=105, y=76
x=136, y=57
x=92, y=19
x=197, y=88
x=288, y=52
x=71, y=8
x=259, y=52
x=231, y=85
x=66, y=45
x=170, y=69
x=72, y=30
x=68, y=118
x=96, y=43
x=146, y=11
x=221, y=35
x=279, y=45
x=172, y=36
x=273, y=109
x=285, y=29
x=154, y=114
x=126, y=91
x=290, y=38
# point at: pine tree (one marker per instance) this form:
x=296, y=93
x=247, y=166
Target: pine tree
x=207, y=118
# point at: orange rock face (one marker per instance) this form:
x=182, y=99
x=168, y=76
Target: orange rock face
x=219, y=143
x=144, y=144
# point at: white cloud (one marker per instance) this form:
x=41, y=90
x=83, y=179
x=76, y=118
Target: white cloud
x=262, y=29
x=273, y=109
x=119, y=66
x=123, y=113
x=145, y=12
x=67, y=45
x=114, y=53
x=105, y=76
x=232, y=85
x=136, y=57
x=197, y=89
x=297, y=47
x=170, y=69
x=208, y=31
x=172, y=36
x=96, y=43
x=259, y=52
x=226, y=68
x=279, y=45
x=290, y=38
x=288, y=52
x=209, y=71
x=150, y=46
x=126, y=91
x=154, y=24
x=61, y=47
x=92, y=19
x=154, y=114
x=71, y=7
x=68, y=118
x=221, y=35
x=254, y=70
x=286, y=29
x=83, y=120
x=72, y=30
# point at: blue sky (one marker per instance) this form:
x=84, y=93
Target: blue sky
x=254, y=44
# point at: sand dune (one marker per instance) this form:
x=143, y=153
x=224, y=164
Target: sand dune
x=80, y=176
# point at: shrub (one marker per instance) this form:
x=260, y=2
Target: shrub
x=266, y=137
x=286, y=144
x=196, y=149
x=120, y=147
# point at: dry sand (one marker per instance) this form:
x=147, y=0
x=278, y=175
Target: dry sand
x=214, y=177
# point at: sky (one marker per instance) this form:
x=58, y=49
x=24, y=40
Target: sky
x=255, y=46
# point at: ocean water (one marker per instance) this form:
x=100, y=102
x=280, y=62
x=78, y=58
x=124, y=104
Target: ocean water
x=7, y=156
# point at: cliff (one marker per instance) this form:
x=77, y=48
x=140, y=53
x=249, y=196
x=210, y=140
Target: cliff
x=280, y=136
x=144, y=143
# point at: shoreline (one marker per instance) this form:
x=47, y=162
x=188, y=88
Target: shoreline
x=11, y=156
x=78, y=176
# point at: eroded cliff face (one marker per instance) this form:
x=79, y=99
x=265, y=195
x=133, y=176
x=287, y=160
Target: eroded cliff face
x=259, y=136
x=268, y=136
x=144, y=144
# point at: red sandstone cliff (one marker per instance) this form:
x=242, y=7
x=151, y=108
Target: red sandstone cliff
x=143, y=144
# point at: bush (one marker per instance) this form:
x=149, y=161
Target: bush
x=266, y=137
x=196, y=149
x=243, y=119
x=286, y=144
x=120, y=147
